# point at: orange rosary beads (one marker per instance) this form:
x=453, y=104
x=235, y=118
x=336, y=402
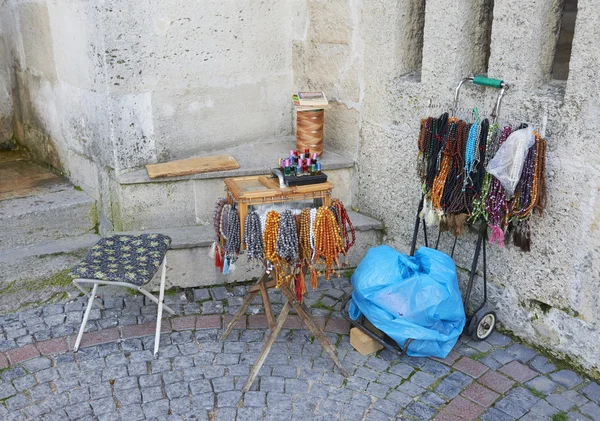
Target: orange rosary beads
x=328, y=242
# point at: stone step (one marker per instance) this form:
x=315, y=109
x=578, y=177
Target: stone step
x=188, y=264
x=56, y=211
x=34, y=273
x=186, y=201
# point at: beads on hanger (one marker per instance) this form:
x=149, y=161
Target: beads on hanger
x=288, y=245
x=452, y=161
x=287, y=238
x=270, y=236
x=253, y=237
x=328, y=243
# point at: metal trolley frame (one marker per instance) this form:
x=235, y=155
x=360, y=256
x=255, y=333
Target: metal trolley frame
x=480, y=323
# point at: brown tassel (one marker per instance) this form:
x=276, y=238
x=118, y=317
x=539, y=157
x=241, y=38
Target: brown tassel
x=443, y=223
x=219, y=261
x=300, y=285
x=517, y=237
x=450, y=223
x=525, y=236
x=460, y=222
x=314, y=280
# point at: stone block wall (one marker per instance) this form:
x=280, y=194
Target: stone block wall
x=385, y=75
x=54, y=52
x=179, y=73
x=6, y=105
x=103, y=87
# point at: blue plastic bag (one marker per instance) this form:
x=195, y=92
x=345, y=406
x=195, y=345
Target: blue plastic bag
x=410, y=297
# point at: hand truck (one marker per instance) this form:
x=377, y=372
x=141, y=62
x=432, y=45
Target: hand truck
x=482, y=322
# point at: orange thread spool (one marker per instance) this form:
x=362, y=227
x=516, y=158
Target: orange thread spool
x=309, y=131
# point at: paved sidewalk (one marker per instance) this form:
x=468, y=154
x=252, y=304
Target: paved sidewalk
x=198, y=377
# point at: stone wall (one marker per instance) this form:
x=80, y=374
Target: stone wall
x=6, y=106
x=103, y=87
x=179, y=73
x=360, y=54
x=57, y=79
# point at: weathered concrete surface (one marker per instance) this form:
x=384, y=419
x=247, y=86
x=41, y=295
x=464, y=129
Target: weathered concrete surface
x=198, y=70
x=41, y=261
x=60, y=104
x=103, y=88
x=59, y=211
x=184, y=201
x=6, y=105
x=562, y=268
x=188, y=202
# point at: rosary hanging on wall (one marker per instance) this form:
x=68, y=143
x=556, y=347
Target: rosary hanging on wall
x=457, y=188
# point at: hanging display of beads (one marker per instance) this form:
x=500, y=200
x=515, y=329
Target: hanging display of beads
x=452, y=161
x=288, y=245
x=253, y=237
x=328, y=243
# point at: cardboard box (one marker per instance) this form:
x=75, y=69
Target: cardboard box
x=363, y=343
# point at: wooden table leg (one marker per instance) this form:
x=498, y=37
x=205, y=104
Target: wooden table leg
x=316, y=330
x=267, y=304
x=243, y=308
x=267, y=347
x=268, y=284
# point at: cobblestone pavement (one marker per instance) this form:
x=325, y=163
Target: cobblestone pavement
x=198, y=377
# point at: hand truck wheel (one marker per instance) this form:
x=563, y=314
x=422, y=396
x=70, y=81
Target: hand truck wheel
x=482, y=324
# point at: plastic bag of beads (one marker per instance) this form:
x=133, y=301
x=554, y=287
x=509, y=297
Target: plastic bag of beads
x=410, y=297
x=507, y=164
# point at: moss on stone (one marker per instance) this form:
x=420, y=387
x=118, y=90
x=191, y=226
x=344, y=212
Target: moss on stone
x=561, y=416
x=319, y=304
x=59, y=279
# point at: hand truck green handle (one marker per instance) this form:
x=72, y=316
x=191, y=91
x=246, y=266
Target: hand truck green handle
x=488, y=81
x=482, y=81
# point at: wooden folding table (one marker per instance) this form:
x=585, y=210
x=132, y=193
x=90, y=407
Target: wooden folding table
x=256, y=190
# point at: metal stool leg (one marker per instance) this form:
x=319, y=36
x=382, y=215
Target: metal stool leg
x=87, y=294
x=86, y=315
x=161, y=297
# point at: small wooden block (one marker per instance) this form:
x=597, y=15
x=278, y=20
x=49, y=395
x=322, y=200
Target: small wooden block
x=192, y=166
x=363, y=343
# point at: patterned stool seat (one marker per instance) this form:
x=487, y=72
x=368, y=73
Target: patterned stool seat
x=124, y=258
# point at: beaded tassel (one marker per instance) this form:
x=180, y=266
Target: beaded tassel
x=328, y=243
x=314, y=279
x=300, y=285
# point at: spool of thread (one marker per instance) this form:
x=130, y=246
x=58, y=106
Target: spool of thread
x=309, y=131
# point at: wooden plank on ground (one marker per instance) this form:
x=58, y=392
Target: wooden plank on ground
x=192, y=166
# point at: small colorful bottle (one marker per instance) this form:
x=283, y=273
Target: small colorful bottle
x=313, y=169
x=318, y=168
